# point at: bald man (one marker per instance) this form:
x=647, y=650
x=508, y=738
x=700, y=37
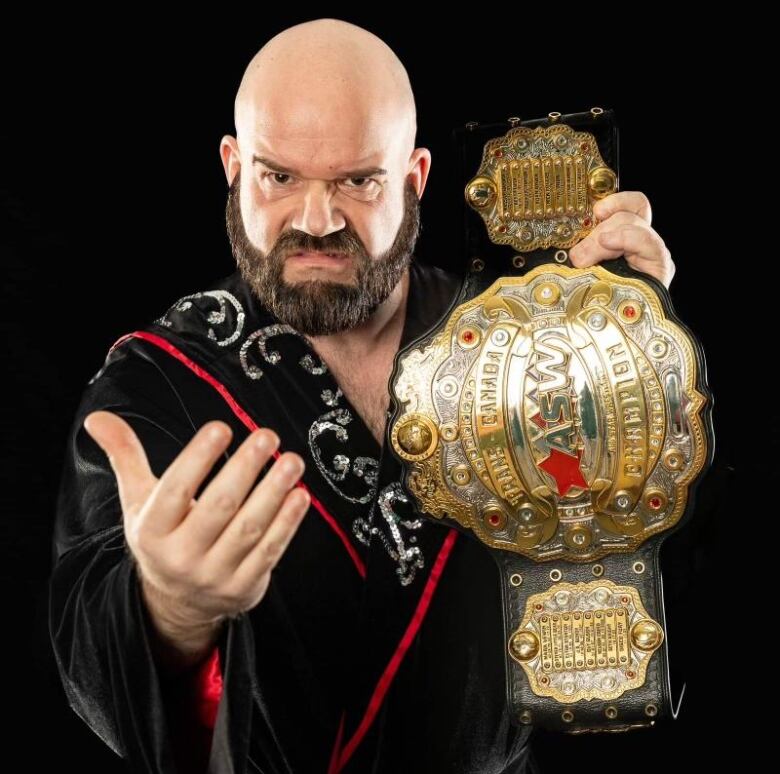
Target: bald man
x=241, y=583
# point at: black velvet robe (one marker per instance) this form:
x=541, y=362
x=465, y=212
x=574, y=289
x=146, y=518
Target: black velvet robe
x=378, y=646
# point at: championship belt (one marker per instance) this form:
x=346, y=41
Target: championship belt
x=561, y=416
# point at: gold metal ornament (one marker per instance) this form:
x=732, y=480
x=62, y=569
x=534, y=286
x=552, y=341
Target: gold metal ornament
x=585, y=641
x=582, y=439
x=416, y=437
x=536, y=186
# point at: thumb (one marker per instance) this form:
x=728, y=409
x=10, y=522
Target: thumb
x=126, y=454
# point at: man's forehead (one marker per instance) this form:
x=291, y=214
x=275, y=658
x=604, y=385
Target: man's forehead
x=320, y=156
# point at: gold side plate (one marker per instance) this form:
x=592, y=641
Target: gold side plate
x=535, y=187
x=585, y=641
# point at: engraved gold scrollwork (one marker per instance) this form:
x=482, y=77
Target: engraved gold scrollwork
x=585, y=641
x=535, y=187
x=549, y=421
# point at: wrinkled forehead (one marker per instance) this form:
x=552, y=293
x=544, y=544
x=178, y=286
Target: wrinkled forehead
x=322, y=138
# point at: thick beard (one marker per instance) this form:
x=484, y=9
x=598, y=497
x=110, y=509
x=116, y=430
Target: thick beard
x=321, y=307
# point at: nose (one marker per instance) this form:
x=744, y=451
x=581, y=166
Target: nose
x=315, y=214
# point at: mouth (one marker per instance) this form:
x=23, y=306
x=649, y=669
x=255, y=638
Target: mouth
x=331, y=257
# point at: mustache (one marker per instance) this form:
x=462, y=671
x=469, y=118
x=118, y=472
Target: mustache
x=293, y=241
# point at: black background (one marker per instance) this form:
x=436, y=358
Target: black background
x=113, y=198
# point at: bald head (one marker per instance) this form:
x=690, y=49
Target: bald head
x=331, y=81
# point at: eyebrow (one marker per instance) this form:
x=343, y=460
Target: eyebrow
x=276, y=167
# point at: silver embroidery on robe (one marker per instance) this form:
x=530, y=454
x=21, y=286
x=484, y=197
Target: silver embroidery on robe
x=311, y=365
x=409, y=557
x=214, y=317
x=364, y=468
x=329, y=398
x=260, y=337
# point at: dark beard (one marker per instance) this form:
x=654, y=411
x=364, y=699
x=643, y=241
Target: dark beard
x=320, y=307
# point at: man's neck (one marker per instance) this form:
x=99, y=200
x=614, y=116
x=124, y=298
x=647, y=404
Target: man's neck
x=383, y=327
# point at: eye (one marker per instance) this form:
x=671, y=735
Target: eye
x=361, y=187
x=276, y=175
x=364, y=184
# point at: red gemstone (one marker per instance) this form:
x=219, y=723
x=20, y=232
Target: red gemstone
x=655, y=502
x=583, y=146
x=468, y=336
x=629, y=311
x=494, y=519
x=586, y=222
x=498, y=153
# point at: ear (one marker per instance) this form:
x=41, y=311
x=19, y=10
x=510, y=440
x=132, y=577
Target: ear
x=231, y=157
x=419, y=167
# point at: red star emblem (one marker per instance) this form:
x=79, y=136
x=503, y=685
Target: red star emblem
x=565, y=469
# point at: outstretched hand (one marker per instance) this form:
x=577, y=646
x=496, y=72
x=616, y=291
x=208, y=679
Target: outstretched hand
x=202, y=561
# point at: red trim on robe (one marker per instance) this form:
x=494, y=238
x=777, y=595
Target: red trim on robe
x=340, y=757
x=166, y=345
x=209, y=682
x=191, y=702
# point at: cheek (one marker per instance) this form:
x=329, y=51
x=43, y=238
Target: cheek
x=261, y=223
x=378, y=226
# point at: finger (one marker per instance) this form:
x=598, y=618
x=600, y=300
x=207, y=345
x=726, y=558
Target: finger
x=265, y=555
x=251, y=521
x=607, y=243
x=630, y=201
x=644, y=250
x=649, y=266
x=128, y=459
x=634, y=240
x=221, y=499
x=174, y=494
x=590, y=251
